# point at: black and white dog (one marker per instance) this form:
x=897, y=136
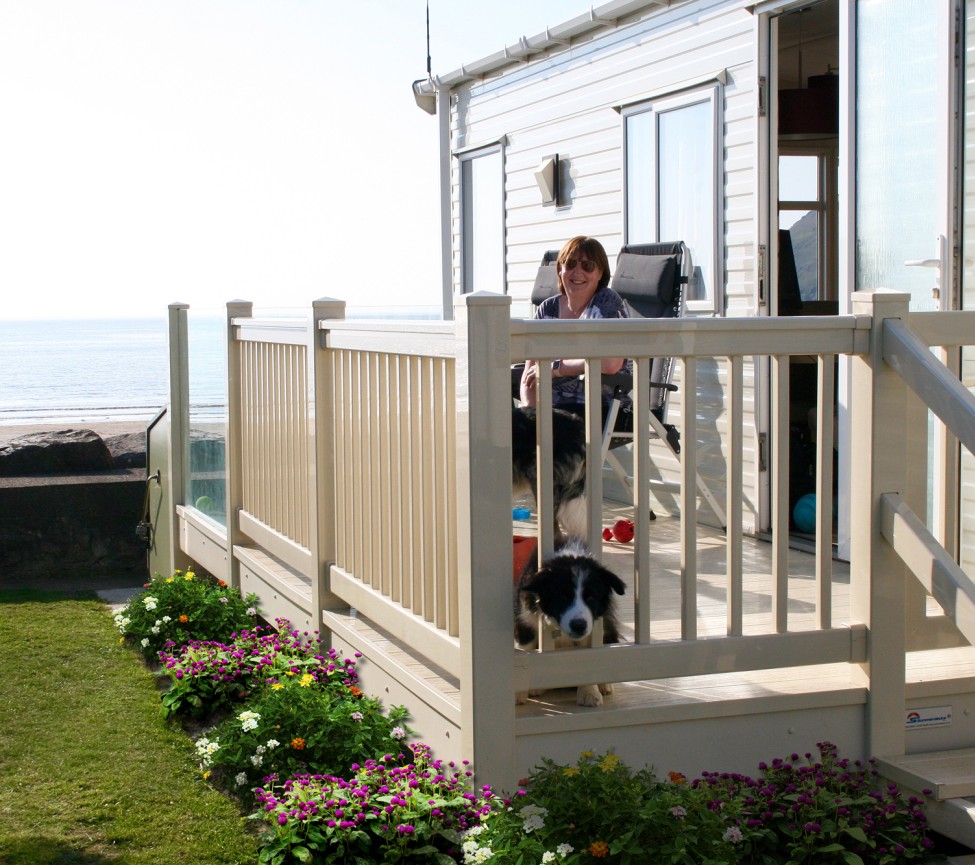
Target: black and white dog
x=568, y=465
x=571, y=591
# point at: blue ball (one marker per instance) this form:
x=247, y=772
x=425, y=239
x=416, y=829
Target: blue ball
x=804, y=514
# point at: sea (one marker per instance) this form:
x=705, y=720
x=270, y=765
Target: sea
x=106, y=370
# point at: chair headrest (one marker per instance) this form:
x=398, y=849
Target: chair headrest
x=646, y=278
x=546, y=283
x=547, y=278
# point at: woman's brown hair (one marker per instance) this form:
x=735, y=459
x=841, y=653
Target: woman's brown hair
x=590, y=248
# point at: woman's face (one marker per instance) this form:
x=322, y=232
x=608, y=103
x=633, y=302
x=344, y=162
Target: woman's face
x=580, y=279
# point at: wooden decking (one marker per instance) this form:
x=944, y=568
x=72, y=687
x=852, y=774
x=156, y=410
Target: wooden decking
x=698, y=695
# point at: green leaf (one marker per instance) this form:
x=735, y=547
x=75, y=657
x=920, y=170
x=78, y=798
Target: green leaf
x=302, y=854
x=851, y=858
x=857, y=834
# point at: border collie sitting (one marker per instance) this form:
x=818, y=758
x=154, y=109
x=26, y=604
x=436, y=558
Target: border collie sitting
x=571, y=591
x=568, y=465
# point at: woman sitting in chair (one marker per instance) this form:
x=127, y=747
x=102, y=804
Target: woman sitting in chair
x=584, y=292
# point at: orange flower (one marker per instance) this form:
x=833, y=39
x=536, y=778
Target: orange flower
x=298, y=743
x=223, y=583
x=599, y=849
x=355, y=691
x=184, y=619
x=676, y=777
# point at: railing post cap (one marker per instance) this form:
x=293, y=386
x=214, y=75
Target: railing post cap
x=882, y=295
x=178, y=305
x=482, y=298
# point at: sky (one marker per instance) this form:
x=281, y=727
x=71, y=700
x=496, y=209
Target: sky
x=200, y=151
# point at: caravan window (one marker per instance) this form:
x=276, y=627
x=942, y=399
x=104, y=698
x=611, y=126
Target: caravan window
x=673, y=190
x=482, y=221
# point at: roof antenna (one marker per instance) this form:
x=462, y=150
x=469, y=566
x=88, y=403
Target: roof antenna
x=429, y=68
x=424, y=90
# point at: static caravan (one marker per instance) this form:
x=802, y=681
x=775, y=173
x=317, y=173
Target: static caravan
x=812, y=158
x=802, y=150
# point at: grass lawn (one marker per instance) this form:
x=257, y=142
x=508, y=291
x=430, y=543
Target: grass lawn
x=89, y=772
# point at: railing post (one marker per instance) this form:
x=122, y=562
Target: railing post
x=483, y=381
x=322, y=480
x=878, y=578
x=179, y=432
x=233, y=468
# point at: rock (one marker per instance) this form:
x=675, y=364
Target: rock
x=128, y=450
x=58, y=452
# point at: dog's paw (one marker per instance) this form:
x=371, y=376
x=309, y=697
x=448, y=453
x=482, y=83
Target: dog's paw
x=606, y=689
x=588, y=695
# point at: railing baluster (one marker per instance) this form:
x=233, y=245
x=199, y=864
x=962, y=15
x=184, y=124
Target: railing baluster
x=780, y=492
x=733, y=499
x=824, y=489
x=688, y=501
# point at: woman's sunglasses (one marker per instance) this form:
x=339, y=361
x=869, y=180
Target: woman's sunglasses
x=587, y=266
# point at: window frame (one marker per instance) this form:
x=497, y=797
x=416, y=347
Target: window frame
x=465, y=159
x=826, y=153
x=710, y=93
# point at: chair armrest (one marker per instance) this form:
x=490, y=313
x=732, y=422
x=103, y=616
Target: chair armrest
x=622, y=382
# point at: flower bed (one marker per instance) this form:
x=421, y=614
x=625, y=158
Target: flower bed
x=332, y=779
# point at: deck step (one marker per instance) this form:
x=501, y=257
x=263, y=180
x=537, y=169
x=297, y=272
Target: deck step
x=948, y=774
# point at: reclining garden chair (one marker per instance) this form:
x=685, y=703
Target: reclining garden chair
x=651, y=279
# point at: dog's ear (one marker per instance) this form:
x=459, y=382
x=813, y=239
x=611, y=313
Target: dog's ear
x=533, y=582
x=613, y=581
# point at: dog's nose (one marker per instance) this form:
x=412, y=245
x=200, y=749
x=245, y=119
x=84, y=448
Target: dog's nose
x=578, y=628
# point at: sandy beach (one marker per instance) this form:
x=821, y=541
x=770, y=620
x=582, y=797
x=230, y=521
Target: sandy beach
x=103, y=428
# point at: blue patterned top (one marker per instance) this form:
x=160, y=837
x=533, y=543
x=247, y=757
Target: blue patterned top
x=605, y=303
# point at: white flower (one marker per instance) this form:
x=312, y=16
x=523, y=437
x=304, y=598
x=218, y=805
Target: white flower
x=678, y=811
x=240, y=779
x=145, y=642
x=733, y=835
x=155, y=629
x=356, y=716
x=272, y=743
x=474, y=854
x=205, y=749
x=564, y=849
x=251, y=611
x=150, y=602
x=533, y=816
x=398, y=733
x=256, y=760
x=225, y=600
x=248, y=720
x=548, y=857
x=121, y=622
x=167, y=619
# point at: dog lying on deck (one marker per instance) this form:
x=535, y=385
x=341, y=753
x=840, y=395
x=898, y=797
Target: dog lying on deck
x=571, y=591
x=568, y=465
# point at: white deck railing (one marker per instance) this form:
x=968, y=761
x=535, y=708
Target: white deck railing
x=373, y=460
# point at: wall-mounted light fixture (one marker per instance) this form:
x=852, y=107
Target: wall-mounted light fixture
x=549, y=179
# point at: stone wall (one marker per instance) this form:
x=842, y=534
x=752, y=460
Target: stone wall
x=66, y=522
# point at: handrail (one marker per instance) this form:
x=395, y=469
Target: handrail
x=930, y=563
x=930, y=380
